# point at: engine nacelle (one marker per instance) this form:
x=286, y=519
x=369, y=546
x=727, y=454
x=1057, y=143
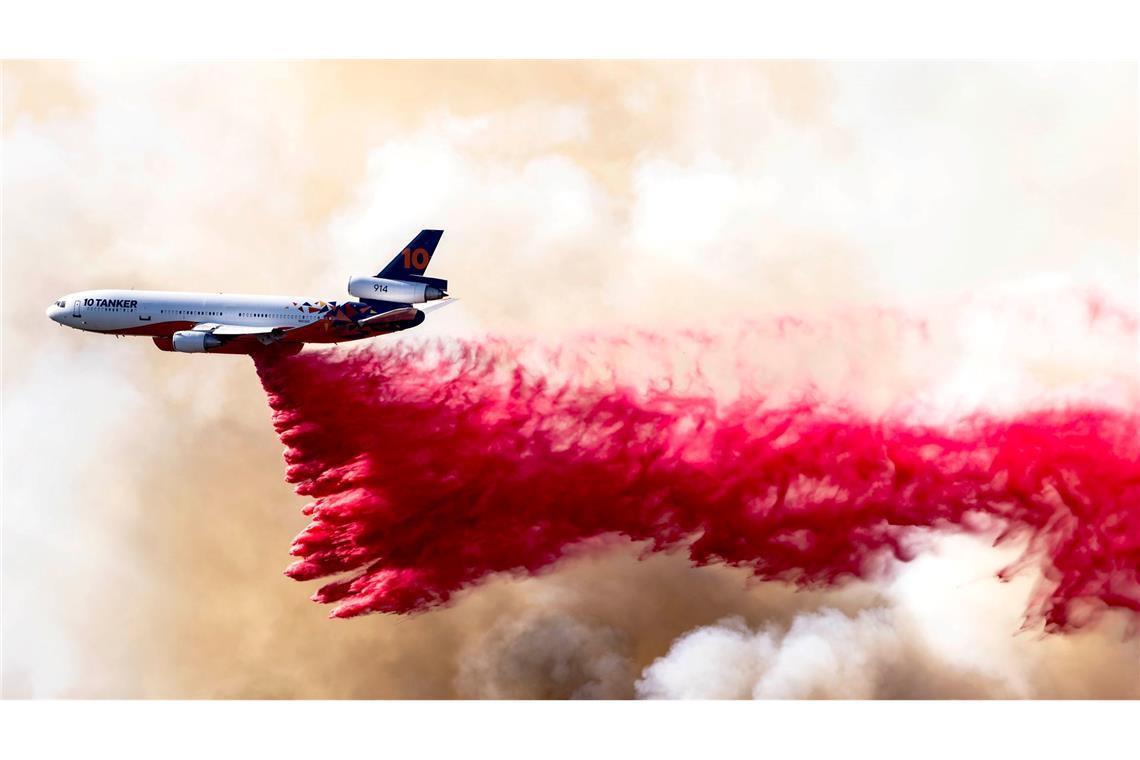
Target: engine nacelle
x=396, y=291
x=194, y=341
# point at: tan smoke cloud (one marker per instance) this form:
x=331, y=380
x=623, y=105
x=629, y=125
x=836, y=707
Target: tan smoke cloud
x=544, y=656
x=145, y=518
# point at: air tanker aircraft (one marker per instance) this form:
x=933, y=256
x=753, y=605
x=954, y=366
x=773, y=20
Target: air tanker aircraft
x=219, y=323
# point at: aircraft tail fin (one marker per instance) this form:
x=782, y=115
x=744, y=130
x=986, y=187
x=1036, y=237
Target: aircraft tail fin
x=411, y=263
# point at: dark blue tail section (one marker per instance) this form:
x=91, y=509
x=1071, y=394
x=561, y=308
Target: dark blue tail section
x=412, y=262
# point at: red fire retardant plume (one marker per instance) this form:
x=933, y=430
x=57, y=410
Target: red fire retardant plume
x=431, y=468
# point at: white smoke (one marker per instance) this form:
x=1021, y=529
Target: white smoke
x=823, y=654
x=947, y=628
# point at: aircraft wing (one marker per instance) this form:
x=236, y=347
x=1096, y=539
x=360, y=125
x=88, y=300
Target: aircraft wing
x=242, y=333
x=216, y=329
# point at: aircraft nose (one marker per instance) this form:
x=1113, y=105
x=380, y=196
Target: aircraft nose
x=55, y=313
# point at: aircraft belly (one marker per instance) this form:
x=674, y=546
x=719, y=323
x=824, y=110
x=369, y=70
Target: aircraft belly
x=337, y=331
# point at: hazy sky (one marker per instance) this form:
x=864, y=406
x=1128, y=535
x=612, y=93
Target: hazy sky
x=145, y=518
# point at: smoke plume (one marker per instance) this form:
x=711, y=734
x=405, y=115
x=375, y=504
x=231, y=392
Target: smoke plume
x=576, y=195
x=435, y=466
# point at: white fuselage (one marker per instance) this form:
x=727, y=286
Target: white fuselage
x=143, y=311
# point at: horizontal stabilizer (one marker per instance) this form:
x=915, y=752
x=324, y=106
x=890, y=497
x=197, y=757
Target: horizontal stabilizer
x=437, y=305
x=395, y=315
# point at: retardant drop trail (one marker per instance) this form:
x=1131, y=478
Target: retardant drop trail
x=433, y=467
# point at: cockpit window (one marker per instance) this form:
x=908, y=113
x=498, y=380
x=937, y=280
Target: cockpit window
x=61, y=304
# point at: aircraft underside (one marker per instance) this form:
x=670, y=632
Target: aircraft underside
x=324, y=330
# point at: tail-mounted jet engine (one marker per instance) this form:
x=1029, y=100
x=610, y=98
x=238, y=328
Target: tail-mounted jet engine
x=395, y=291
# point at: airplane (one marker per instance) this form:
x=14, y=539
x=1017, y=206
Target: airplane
x=220, y=323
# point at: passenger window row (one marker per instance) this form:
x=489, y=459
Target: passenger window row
x=259, y=314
